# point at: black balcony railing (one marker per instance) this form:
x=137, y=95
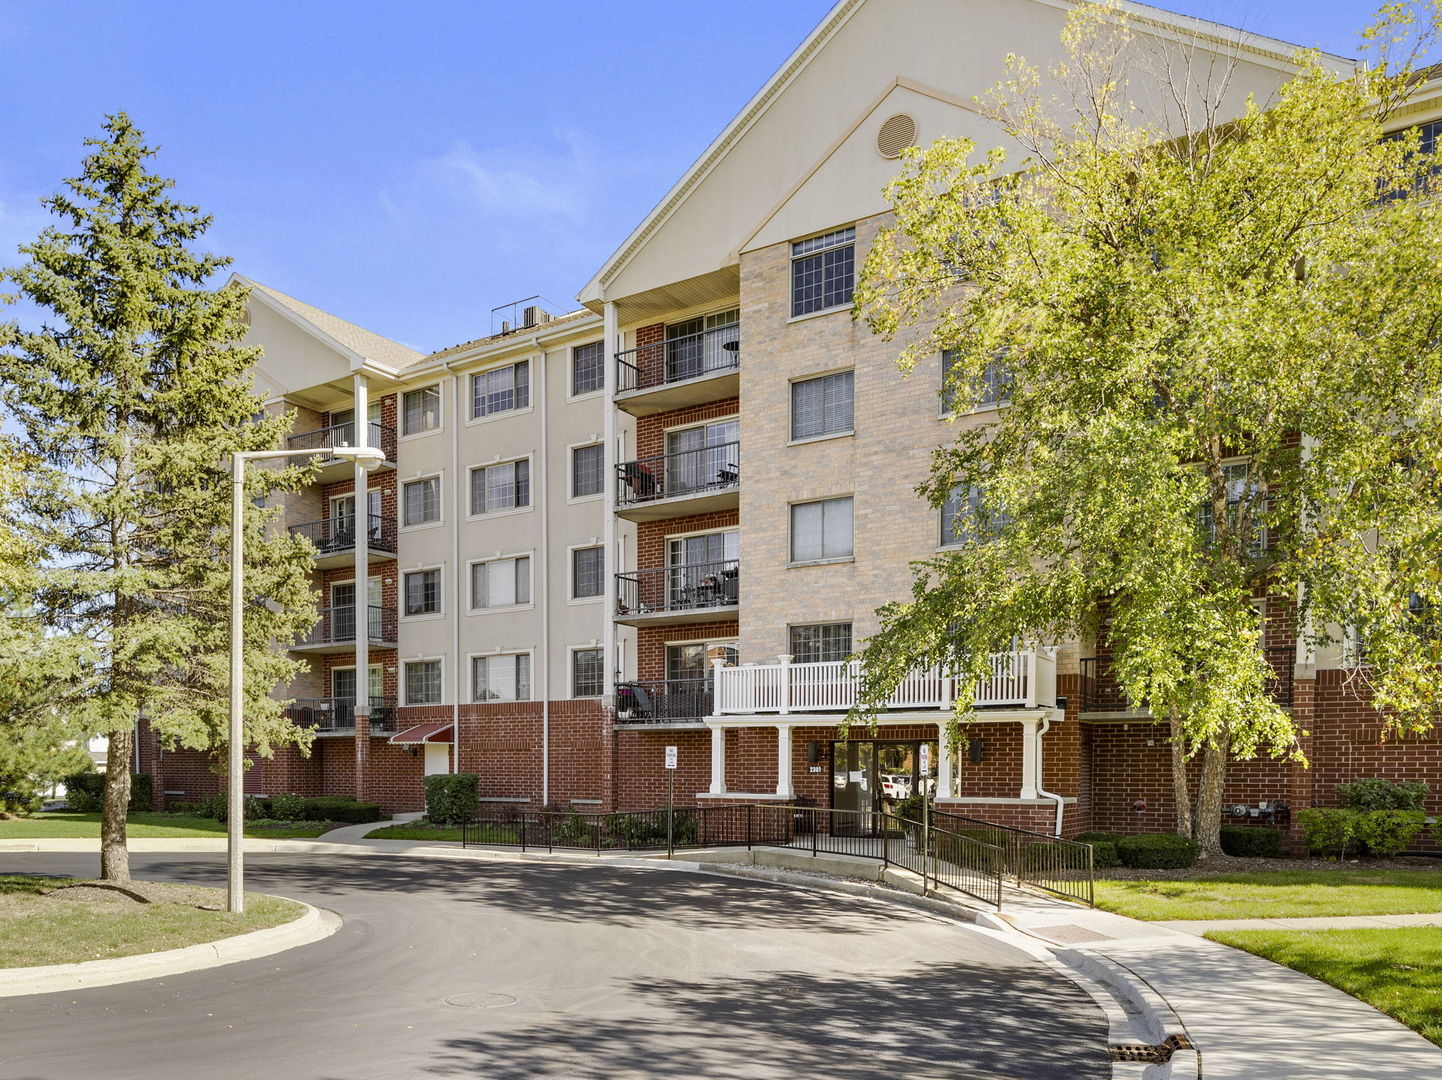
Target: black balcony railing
x=337, y=626
x=687, y=472
x=663, y=701
x=338, y=714
x=336, y=534
x=679, y=588
x=1102, y=692
x=679, y=359
x=328, y=438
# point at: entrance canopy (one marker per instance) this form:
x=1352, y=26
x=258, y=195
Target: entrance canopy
x=432, y=731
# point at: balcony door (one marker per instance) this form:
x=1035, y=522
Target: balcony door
x=343, y=420
x=702, y=571
x=342, y=690
x=702, y=457
x=342, y=513
x=698, y=346
x=690, y=675
x=342, y=616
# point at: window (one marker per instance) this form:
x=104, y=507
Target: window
x=342, y=516
x=586, y=474
x=699, y=346
x=821, y=530
x=421, y=501
x=588, y=568
x=703, y=571
x=587, y=676
x=1242, y=491
x=965, y=516
x=703, y=457
x=501, y=487
x=501, y=582
x=342, y=683
x=689, y=668
x=423, y=592
x=344, y=419
x=588, y=368
x=822, y=406
x=995, y=387
x=423, y=682
x=501, y=678
x=421, y=410
x=501, y=390
x=822, y=269
x=820, y=642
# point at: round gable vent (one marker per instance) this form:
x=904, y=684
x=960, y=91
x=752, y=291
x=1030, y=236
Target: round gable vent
x=895, y=135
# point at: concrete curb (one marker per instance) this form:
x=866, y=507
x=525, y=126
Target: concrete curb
x=313, y=925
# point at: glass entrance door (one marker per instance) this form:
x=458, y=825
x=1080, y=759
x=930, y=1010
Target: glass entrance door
x=873, y=775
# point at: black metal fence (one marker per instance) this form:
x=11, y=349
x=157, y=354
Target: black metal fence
x=686, y=472
x=336, y=534
x=337, y=626
x=1041, y=861
x=663, y=701
x=688, y=587
x=378, y=435
x=678, y=359
x=333, y=714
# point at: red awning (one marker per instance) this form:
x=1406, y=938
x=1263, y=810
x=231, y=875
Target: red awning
x=431, y=731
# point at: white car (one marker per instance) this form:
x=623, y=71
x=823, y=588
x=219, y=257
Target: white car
x=895, y=785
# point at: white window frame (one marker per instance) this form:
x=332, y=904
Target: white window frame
x=532, y=363
x=485, y=515
x=440, y=612
x=571, y=597
x=571, y=448
x=440, y=389
x=493, y=654
x=511, y=556
x=439, y=478
x=980, y=407
x=571, y=394
x=791, y=271
x=330, y=684
x=791, y=532
x=571, y=652
x=405, y=689
x=791, y=407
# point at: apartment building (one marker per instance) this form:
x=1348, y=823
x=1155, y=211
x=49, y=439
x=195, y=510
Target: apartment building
x=667, y=518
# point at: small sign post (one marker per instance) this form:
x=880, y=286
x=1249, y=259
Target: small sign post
x=670, y=801
x=925, y=773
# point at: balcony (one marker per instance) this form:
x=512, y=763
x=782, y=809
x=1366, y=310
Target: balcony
x=663, y=701
x=335, y=631
x=1022, y=679
x=336, y=716
x=681, y=372
x=674, y=595
x=687, y=482
x=334, y=539
x=1102, y=695
x=328, y=438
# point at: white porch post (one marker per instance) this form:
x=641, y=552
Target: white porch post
x=784, y=790
x=785, y=701
x=718, y=761
x=943, y=763
x=1028, y=758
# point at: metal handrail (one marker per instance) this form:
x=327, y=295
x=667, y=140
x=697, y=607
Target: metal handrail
x=679, y=359
x=337, y=625
x=679, y=588
x=1039, y=860
x=335, y=534
x=663, y=701
x=686, y=472
x=338, y=713
x=337, y=435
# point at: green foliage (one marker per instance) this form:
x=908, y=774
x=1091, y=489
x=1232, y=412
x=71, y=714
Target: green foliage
x=1104, y=848
x=183, y=806
x=1376, y=794
x=1328, y=829
x=287, y=808
x=127, y=400
x=335, y=808
x=1385, y=833
x=85, y=790
x=1252, y=842
x=572, y=830
x=213, y=806
x=452, y=798
x=1157, y=851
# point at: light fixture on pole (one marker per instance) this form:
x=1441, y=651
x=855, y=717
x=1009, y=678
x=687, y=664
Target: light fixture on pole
x=235, y=780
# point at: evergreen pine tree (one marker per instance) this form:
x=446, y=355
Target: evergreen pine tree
x=130, y=400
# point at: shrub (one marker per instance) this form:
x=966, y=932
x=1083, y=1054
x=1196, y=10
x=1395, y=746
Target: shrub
x=287, y=808
x=180, y=806
x=1385, y=833
x=1157, y=851
x=339, y=808
x=1252, y=842
x=1375, y=794
x=452, y=798
x=255, y=809
x=1104, y=848
x=1328, y=829
x=85, y=791
x=212, y=806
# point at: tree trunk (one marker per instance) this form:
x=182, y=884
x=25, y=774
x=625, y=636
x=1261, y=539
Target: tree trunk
x=1181, y=790
x=1208, y=834
x=114, y=855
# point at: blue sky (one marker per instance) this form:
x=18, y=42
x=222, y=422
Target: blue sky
x=411, y=165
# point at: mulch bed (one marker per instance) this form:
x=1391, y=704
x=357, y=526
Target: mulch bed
x=1227, y=864
x=140, y=892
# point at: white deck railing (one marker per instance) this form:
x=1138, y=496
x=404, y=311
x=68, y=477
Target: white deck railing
x=1023, y=678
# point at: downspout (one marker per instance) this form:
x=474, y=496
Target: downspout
x=459, y=493
x=544, y=498
x=1040, y=773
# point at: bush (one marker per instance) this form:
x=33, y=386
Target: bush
x=287, y=808
x=1385, y=833
x=85, y=791
x=212, y=806
x=1375, y=794
x=1157, y=851
x=339, y=808
x=452, y=798
x=180, y=806
x=1104, y=848
x=1328, y=829
x=1252, y=842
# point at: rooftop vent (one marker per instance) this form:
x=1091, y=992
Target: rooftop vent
x=895, y=135
x=525, y=314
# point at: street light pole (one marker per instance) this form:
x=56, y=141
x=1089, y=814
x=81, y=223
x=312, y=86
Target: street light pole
x=235, y=780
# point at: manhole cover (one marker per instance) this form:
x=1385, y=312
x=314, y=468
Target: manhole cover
x=480, y=1001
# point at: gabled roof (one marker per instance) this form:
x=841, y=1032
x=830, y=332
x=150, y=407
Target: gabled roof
x=354, y=340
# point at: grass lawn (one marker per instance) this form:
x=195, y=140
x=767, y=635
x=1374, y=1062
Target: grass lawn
x=1398, y=971
x=36, y=929
x=1276, y=894
x=64, y=824
x=423, y=830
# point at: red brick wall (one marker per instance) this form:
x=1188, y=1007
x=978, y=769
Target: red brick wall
x=651, y=643
x=641, y=773
x=651, y=535
x=501, y=742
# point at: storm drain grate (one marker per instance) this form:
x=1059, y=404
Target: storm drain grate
x=1068, y=934
x=1151, y=1053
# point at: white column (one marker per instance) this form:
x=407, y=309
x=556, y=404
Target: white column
x=943, y=763
x=1028, y=758
x=718, y=761
x=784, y=789
x=785, y=659
x=610, y=342
x=361, y=528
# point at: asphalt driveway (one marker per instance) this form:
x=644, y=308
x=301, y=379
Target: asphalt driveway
x=526, y=971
